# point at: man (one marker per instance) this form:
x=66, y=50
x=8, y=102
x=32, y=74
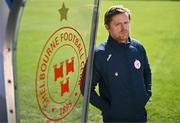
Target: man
x=122, y=71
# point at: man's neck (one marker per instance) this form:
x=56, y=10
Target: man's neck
x=122, y=41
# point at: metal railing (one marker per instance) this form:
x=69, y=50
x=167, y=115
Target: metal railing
x=9, y=59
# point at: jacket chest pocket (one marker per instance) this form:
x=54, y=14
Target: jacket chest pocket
x=135, y=60
x=136, y=64
x=116, y=69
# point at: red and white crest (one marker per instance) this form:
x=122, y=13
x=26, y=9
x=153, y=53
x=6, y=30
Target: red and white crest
x=137, y=64
x=59, y=73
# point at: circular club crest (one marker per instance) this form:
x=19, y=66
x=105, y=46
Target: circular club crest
x=59, y=73
x=137, y=64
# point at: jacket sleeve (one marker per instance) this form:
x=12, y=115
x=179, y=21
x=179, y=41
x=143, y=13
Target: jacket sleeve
x=95, y=99
x=147, y=74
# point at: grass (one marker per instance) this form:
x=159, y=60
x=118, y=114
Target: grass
x=155, y=23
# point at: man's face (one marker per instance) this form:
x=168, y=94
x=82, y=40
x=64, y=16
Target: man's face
x=119, y=27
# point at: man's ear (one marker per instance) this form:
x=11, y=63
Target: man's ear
x=107, y=27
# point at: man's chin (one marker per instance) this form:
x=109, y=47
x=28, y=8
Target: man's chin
x=123, y=38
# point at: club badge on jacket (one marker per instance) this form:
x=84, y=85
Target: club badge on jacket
x=137, y=64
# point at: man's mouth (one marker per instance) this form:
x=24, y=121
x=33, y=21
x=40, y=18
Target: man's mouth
x=124, y=32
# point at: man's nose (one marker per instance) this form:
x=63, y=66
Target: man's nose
x=122, y=27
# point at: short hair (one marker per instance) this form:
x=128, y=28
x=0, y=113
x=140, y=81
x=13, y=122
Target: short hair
x=114, y=10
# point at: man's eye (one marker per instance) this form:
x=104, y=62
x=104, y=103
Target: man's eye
x=117, y=24
x=126, y=22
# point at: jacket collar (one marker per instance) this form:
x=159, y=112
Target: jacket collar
x=114, y=43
